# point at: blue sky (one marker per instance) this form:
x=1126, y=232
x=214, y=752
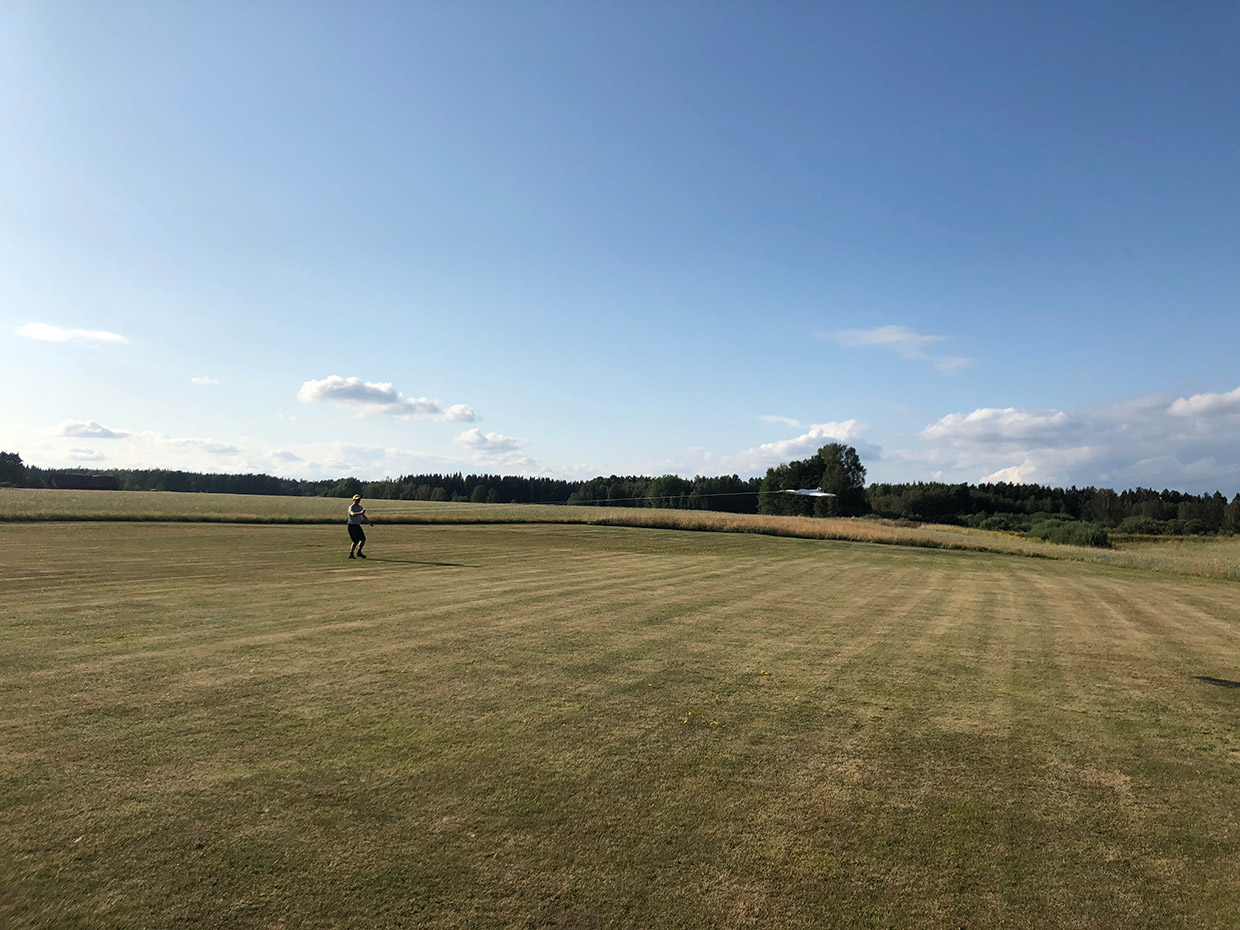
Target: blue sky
x=977, y=241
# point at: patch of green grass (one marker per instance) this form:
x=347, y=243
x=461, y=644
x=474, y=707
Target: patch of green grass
x=538, y=726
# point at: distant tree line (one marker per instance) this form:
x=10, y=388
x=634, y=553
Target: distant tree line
x=162, y=479
x=1018, y=507
x=1054, y=513
x=729, y=493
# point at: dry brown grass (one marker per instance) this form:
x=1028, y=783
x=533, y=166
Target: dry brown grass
x=1204, y=557
x=540, y=726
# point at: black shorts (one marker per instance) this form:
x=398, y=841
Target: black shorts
x=355, y=532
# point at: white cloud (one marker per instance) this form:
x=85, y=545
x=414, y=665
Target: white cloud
x=497, y=450
x=46, y=333
x=902, y=341
x=89, y=429
x=479, y=441
x=85, y=455
x=1136, y=441
x=368, y=398
x=1010, y=475
x=757, y=459
x=995, y=426
x=204, y=381
x=378, y=399
x=1201, y=405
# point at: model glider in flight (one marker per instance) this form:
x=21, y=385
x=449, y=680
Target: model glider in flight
x=807, y=492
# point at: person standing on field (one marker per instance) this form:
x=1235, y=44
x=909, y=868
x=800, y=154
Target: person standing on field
x=357, y=513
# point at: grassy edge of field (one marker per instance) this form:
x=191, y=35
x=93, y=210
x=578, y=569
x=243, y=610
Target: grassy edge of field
x=637, y=521
x=1199, y=558
x=164, y=507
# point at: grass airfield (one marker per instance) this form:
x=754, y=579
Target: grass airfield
x=545, y=725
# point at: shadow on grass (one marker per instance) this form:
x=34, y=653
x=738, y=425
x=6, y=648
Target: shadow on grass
x=375, y=558
x=1221, y=682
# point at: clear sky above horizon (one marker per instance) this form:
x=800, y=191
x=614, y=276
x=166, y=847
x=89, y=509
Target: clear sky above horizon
x=977, y=241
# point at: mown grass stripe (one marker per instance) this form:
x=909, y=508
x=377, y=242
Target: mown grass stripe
x=262, y=731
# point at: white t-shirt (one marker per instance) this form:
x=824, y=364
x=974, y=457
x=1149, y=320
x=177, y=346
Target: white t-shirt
x=357, y=513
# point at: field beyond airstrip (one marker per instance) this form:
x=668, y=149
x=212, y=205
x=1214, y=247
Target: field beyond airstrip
x=541, y=724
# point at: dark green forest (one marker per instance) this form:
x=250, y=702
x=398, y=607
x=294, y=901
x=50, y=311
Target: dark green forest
x=1056, y=513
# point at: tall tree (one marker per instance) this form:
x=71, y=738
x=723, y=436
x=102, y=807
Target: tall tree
x=12, y=471
x=835, y=468
x=1231, y=516
x=844, y=476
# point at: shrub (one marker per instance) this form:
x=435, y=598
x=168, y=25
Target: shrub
x=1042, y=529
x=1074, y=533
x=1005, y=522
x=1142, y=526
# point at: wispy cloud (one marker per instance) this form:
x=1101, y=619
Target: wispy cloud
x=903, y=341
x=47, y=333
x=378, y=399
x=204, y=381
x=772, y=418
x=209, y=446
x=89, y=429
x=900, y=338
x=951, y=362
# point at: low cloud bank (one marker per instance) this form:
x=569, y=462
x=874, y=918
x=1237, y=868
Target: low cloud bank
x=1186, y=443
